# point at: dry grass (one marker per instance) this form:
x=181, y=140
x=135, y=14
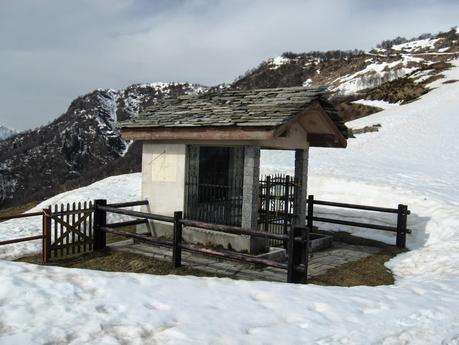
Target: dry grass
x=111, y=238
x=17, y=209
x=368, y=271
x=117, y=261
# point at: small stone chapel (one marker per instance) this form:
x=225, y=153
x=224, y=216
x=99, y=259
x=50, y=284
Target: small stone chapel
x=201, y=155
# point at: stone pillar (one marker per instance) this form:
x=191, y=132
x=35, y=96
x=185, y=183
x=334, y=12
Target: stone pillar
x=191, y=178
x=301, y=193
x=251, y=195
x=192, y=166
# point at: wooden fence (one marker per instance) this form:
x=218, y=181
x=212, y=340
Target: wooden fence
x=297, y=238
x=42, y=236
x=82, y=227
x=68, y=229
x=401, y=211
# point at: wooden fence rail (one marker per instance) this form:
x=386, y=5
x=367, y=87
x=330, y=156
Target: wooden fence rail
x=297, y=238
x=21, y=215
x=400, y=229
x=42, y=237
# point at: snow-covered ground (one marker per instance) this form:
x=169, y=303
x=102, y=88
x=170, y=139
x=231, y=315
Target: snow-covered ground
x=413, y=159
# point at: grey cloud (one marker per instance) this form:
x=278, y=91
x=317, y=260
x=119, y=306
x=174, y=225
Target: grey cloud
x=52, y=51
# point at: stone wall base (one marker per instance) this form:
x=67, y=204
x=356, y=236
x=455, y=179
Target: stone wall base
x=240, y=243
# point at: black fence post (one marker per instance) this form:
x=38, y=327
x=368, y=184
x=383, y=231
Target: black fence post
x=100, y=220
x=295, y=256
x=305, y=250
x=177, y=248
x=309, y=223
x=46, y=250
x=402, y=215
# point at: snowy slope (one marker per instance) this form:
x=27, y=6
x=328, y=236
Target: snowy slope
x=412, y=159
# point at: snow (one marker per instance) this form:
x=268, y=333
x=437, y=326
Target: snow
x=377, y=103
x=84, y=307
x=374, y=74
x=412, y=160
x=278, y=61
x=307, y=82
x=413, y=46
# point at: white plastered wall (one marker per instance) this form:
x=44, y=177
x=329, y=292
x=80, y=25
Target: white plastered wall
x=163, y=177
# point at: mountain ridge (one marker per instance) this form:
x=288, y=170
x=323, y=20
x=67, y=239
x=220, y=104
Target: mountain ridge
x=83, y=144
x=80, y=146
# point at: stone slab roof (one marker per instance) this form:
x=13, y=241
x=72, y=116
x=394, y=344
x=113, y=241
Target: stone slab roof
x=237, y=108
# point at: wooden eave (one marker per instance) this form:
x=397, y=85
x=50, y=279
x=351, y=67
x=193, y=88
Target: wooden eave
x=198, y=133
x=320, y=129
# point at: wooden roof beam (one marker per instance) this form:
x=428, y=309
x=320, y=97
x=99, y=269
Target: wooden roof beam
x=198, y=133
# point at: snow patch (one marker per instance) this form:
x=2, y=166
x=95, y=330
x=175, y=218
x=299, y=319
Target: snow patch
x=417, y=45
x=377, y=103
x=278, y=61
x=373, y=75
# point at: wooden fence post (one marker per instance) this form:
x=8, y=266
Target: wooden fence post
x=401, y=225
x=100, y=219
x=46, y=247
x=310, y=212
x=296, y=254
x=177, y=240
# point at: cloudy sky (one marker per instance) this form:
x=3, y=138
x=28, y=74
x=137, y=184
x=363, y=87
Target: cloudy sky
x=51, y=51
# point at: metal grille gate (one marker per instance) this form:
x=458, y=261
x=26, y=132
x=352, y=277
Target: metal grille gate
x=276, y=213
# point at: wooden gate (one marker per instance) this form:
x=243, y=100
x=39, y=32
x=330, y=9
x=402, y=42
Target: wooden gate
x=276, y=211
x=69, y=229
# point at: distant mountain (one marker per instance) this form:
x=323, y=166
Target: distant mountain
x=6, y=132
x=81, y=146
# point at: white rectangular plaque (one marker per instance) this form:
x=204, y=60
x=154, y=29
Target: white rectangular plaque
x=164, y=167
